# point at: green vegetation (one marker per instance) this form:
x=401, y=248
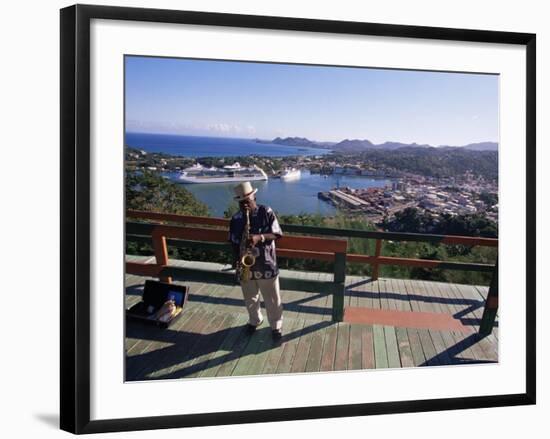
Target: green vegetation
x=490, y=199
x=150, y=192
x=463, y=225
x=430, y=162
x=411, y=220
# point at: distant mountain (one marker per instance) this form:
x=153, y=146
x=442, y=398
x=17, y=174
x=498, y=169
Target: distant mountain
x=482, y=146
x=353, y=145
x=358, y=145
x=396, y=145
x=297, y=141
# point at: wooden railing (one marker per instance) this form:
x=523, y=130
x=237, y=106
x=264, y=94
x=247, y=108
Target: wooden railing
x=309, y=246
x=160, y=236
x=374, y=260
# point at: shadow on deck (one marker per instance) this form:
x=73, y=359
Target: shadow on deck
x=209, y=341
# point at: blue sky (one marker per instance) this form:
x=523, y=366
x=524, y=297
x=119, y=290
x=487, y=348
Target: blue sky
x=249, y=100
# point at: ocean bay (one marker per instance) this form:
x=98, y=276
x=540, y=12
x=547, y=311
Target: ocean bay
x=195, y=146
x=285, y=197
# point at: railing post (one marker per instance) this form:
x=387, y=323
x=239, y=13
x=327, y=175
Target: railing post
x=376, y=265
x=161, y=253
x=491, y=306
x=339, y=287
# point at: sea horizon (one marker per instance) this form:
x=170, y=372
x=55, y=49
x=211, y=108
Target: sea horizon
x=214, y=146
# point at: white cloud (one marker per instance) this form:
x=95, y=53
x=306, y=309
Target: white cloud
x=174, y=127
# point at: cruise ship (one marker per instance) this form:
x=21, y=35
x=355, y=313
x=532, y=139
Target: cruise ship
x=230, y=173
x=291, y=174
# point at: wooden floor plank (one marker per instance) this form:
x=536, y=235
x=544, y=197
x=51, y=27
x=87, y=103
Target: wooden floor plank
x=348, y=294
x=391, y=347
x=451, y=346
x=392, y=293
x=380, y=352
x=440, y=348
x=373, y=289
x=303, y=298
x=317, y=302
x=209, y=340
x=414, y=296
x=466, y=310
x=401, y=298
x=342, y=347
x=455, y=308
x=489, y=344
x=226, y=368
x=257, y=341
x=200, y=362
x=428, y=347
x=367, y=347
x=419, y=358
x=291, y=303
x=327, y=302
x=181, y=341
x=430, y=302
x=486, y=348
x=403, y=344
x=329, y=348
x=195, y=347
x=351, y=291
x=226, y=347
x=293, y=328
x=313, y=363
x=146, y=331
x=304, y=348
x=383, y=293
x=258, y=361
x=464, y=353
x=355, y=349
x=404, y=304
x=289, y=349
x=364, y=298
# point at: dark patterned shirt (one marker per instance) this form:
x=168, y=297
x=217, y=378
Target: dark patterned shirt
x=262, y=221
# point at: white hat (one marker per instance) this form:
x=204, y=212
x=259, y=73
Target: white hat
x=243, y=191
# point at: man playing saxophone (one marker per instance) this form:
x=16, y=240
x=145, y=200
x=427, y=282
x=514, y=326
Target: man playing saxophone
x=253, y=231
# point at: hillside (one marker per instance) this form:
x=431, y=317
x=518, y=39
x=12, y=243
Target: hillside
x=359, y=145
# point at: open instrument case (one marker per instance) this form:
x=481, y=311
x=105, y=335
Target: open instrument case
x=156, y=308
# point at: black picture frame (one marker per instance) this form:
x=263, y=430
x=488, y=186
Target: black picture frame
x=75, y=217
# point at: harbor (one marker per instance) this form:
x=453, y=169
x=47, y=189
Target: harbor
x=323, y=184
x=287, y=196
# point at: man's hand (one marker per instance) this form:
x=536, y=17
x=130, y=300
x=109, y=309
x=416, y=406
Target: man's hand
x=255, y=239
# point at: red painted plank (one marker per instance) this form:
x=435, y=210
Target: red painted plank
x=406, y=319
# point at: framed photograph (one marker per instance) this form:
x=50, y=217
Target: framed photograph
x=320, y=218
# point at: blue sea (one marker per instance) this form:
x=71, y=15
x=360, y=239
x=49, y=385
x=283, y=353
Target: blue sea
x=194, y=146
x=291, y=197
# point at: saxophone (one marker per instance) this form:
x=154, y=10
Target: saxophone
x=246, y=257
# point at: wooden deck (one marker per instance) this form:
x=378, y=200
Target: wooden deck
x=209, y=341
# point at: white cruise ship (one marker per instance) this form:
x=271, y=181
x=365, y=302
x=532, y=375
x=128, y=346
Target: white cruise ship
x=200, y=174
x=291, y=174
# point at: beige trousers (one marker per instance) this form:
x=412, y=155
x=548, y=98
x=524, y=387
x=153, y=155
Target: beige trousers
x=272, y=299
